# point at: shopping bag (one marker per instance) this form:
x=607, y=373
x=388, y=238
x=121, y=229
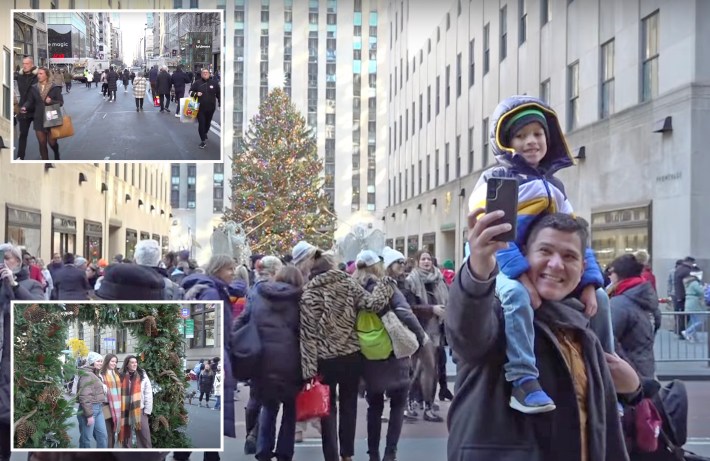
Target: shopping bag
x=156, y=101
x=64, y=130
x=53, y=115
x=313, y=401
x=190, y=107
x=404, y=341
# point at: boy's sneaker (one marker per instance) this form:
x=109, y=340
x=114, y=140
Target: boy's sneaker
x=250, y=445
x=202, y=145
x=528, y=397
x=687, y=337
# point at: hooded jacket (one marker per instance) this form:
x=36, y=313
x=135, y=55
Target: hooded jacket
x=112, y=80
x=329, y=307
x=273, y=307
x=164, y=82
x=540, y=192
x=635, y=317
x=694, y=294
x=481, y=424
x=35, y=104
x=179, y=80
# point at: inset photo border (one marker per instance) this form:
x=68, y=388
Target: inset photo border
x=103, y=121
x=58, y=376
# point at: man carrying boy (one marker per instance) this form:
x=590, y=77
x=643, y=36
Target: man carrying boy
x=529, y=145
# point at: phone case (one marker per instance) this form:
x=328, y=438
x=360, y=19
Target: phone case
x=502, y=194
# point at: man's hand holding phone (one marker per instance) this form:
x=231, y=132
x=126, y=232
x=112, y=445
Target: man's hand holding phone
x=482, y=231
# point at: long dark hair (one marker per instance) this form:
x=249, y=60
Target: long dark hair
x=124, y=368
x=107, y=359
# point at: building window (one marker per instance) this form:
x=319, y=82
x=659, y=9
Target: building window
x=649, y=43
x=218, y=188
x=448, y=86
x=471, y=64
x=545, y=12
x=428, y=171
x=504, y=32
x=607, y=86
x=438, y=94
x=6, y=79
x=428, y=104
x=420, y=177
x=458, y=155
x=421, y=110
x=446, y=163
x=573, y=100
x=414, y=118
x=448, y=21
x=486, y=48
x=436, y=168
x=485, y=139
x=545, y=91
x=458, y=75
x=470, y=150
x=523, y=22
x=617, y=232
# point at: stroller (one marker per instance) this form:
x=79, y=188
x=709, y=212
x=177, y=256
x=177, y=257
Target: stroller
x=671, y=402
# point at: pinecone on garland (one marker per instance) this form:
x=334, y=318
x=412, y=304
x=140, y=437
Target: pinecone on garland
x=41, y=368
x=21, y=435
x=75, y=309
x=150, y=326
x=34, y=314
x=31, y=428
x=53, y=329
x=174, y=359
x=184, y=418
x=44, y=396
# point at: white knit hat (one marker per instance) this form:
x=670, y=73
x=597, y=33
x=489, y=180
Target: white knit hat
x=93, y=357
x=368, y=257
x=391, y=256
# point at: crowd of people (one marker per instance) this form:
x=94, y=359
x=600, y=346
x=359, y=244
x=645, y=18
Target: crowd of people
x=39, y=87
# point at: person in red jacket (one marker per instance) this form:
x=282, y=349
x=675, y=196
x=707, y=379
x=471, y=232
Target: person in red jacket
x=448, y=272
x=35, y=271
x=643, y=257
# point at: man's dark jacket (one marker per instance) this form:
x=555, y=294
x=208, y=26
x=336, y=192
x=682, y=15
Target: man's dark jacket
x=24, y=83
x=179, y=80
x=681, y=272
x=70, y=283
x=164, y=82
x=481, y=424
x=210, y=93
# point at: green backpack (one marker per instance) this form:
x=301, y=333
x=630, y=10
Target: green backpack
x=375, y=342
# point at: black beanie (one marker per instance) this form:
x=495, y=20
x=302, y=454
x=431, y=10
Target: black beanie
x=519, y=119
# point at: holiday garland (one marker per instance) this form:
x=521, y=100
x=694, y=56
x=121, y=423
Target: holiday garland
x=43, y=417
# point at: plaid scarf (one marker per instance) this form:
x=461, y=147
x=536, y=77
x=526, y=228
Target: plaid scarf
x=131, y=397
x=113, y=396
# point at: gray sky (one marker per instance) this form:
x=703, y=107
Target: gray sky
x=132, y=25
x=423, y=19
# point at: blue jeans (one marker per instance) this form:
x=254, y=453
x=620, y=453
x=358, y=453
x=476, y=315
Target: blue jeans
x=218, y=402
x=267, y=429
x=98, y=429
x=696, y=322
x=520, y=335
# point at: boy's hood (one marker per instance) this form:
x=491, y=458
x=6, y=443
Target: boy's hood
x=558, y=154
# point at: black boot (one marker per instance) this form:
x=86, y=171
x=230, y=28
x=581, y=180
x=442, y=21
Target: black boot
x=445, y=394
x=55, y=149
x=430, y=416
x=251, y=420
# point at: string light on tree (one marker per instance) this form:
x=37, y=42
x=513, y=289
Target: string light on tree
x=277, y=182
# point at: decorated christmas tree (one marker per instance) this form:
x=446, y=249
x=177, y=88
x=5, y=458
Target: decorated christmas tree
x=277, y=182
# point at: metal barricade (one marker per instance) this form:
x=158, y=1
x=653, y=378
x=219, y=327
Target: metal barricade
x=672, y=346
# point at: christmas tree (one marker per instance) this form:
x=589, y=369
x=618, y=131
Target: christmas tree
x=277, y=186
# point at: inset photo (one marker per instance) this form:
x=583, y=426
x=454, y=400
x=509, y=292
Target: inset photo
x=116, y=376
x=130, y=85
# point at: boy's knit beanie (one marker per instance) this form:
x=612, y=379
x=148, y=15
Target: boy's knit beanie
x=521, y=118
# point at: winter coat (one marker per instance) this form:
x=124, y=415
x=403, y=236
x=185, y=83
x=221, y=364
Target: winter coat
x=482, y=426
x=24, y=83
x=90, y=390
x=681, y=272
x=139, y=86
x=66, y=76
x=206, y=381
x=217, y=390
x=125, y=76
x=635, y=318
x=26, y=290
x=70, y=283
x=694, y=294
x=210, y=93
x=179, y=80
x=329, y=307
x=392, y=373
x=274, y=308
x=112, y=80
x=97, y=76
x=164, y=82
x=146, y=394
x=35, y=104
x=540, y=192
x=153, y=75
x=206, y=288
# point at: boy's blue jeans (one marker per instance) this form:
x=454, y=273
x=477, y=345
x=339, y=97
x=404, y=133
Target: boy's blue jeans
x=218, y=402
x=98, y=429
x=519, y=332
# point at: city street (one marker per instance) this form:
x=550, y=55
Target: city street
x=115, y=131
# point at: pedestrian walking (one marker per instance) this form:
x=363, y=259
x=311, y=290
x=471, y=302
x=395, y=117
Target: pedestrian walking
x=70, y=282
x=208, y=95
x=682, y=271
x=89, y=79
x=132, y=77
x=218, y=388
x=153, y=78
x=136, y=405
x=163, y=86
x=179, y=80
x=25, y=78
x=66, y=76
x=694, y=302
x=42, y=94
x=206, y=384
x=91, y=397
x=112, y=80
x=104, y=83
x=139, y=88
x=126, y=76
x=97, y=77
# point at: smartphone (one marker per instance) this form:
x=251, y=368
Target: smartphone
x=502, y=194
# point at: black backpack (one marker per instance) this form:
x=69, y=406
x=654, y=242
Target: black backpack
x=245, y=351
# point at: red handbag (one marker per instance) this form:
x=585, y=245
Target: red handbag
x=156, y=101
x=313, y=401
x=648, y=426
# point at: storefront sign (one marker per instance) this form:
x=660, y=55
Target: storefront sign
x=189, y=328
x=59, y=43
x=670, y=177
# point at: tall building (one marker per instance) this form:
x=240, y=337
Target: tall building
x=67, y=34
x=629, y=81
x=104, y=43
x=326, y=54
x=29, y=37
